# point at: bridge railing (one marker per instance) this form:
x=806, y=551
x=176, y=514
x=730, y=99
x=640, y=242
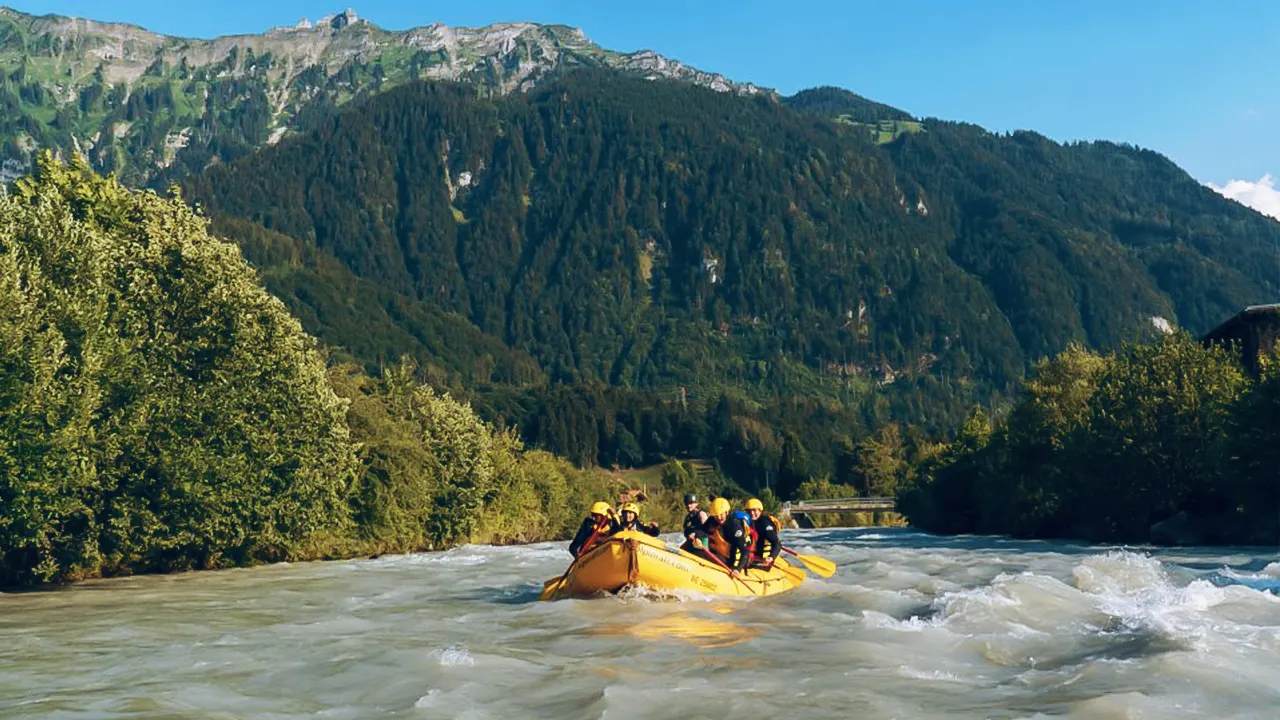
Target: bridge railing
x=853, y=504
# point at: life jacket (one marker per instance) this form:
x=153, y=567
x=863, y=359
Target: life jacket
x=745, y=517
x=602, y=530
x=759, y=545
x=692, y=523
x=715, y=540
x=636, y=526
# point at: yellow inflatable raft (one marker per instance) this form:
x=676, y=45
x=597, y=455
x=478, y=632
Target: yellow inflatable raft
x=631, y=558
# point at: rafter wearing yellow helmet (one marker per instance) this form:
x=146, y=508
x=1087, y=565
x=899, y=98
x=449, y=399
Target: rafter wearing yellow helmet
x=631, y=521
x=597, y=526
x=727, y=537
x=720, y=507
x=765, y=543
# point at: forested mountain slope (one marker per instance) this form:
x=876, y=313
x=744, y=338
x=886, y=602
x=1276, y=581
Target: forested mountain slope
x=649, y=235
x=616, y=230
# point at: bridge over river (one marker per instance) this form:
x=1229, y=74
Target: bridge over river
x=800, y=510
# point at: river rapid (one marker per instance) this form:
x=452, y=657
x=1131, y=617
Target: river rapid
x=911, y=626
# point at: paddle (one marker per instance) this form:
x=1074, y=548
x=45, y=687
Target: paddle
x=796, y=576
x=814, y=563
x=785, y=568
x=558, y=582
x=719, y=562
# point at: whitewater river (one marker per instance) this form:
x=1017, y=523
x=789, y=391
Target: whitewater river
x=912, y=626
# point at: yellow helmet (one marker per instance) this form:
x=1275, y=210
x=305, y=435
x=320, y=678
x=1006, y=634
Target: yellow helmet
x=719, y=506
x=754, y=504
x=631, y=508
x=601, y=508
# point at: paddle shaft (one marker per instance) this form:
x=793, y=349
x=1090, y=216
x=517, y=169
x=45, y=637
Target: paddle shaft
x=585, y=546
x=810, y=562
x=722, y=564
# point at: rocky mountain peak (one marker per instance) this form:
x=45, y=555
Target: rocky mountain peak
x=140, y=103
x=337, y=21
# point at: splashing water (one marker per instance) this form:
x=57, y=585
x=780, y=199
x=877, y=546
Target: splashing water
x=912, y=626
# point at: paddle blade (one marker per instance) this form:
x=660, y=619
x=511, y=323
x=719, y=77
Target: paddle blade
x=818, y=564
x=550, y=588
x=796, y=576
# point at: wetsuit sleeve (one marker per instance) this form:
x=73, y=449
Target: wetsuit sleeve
x=584, y=534
x=651, y=529
x=769, y=534
x=740, y=540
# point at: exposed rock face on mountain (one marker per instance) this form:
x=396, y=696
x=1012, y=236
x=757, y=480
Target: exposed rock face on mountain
x=153, y=107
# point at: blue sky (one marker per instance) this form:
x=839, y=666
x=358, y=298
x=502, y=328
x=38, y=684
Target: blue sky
x=1195, y=80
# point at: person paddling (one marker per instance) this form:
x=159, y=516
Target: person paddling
x=764, y=535
x=631, y=521
x=727, y=537
x=599, y=524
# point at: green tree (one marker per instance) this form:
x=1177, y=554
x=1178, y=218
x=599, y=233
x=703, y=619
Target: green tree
x=1251, y=452
x=162, y=410
x=1156, y=420
x=881, y=463
x=1105, y=446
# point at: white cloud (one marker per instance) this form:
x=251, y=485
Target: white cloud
x=1261, y=196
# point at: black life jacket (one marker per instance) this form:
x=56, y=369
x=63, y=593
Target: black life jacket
x=692, y=523
x=760, y=545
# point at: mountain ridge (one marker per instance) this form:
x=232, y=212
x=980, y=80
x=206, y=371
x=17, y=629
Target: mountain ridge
x=140, y=103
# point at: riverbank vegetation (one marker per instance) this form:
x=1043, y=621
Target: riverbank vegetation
x=1166, y=442
x=160, y=411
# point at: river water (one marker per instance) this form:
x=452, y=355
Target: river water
x=912, y=626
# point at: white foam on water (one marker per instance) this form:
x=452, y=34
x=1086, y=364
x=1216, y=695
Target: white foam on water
x=936, y=675
x=1137, y=590
x=911, y=627
x=886, y=622
x=430, y=699
x=454, y=656
x=643, y=593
